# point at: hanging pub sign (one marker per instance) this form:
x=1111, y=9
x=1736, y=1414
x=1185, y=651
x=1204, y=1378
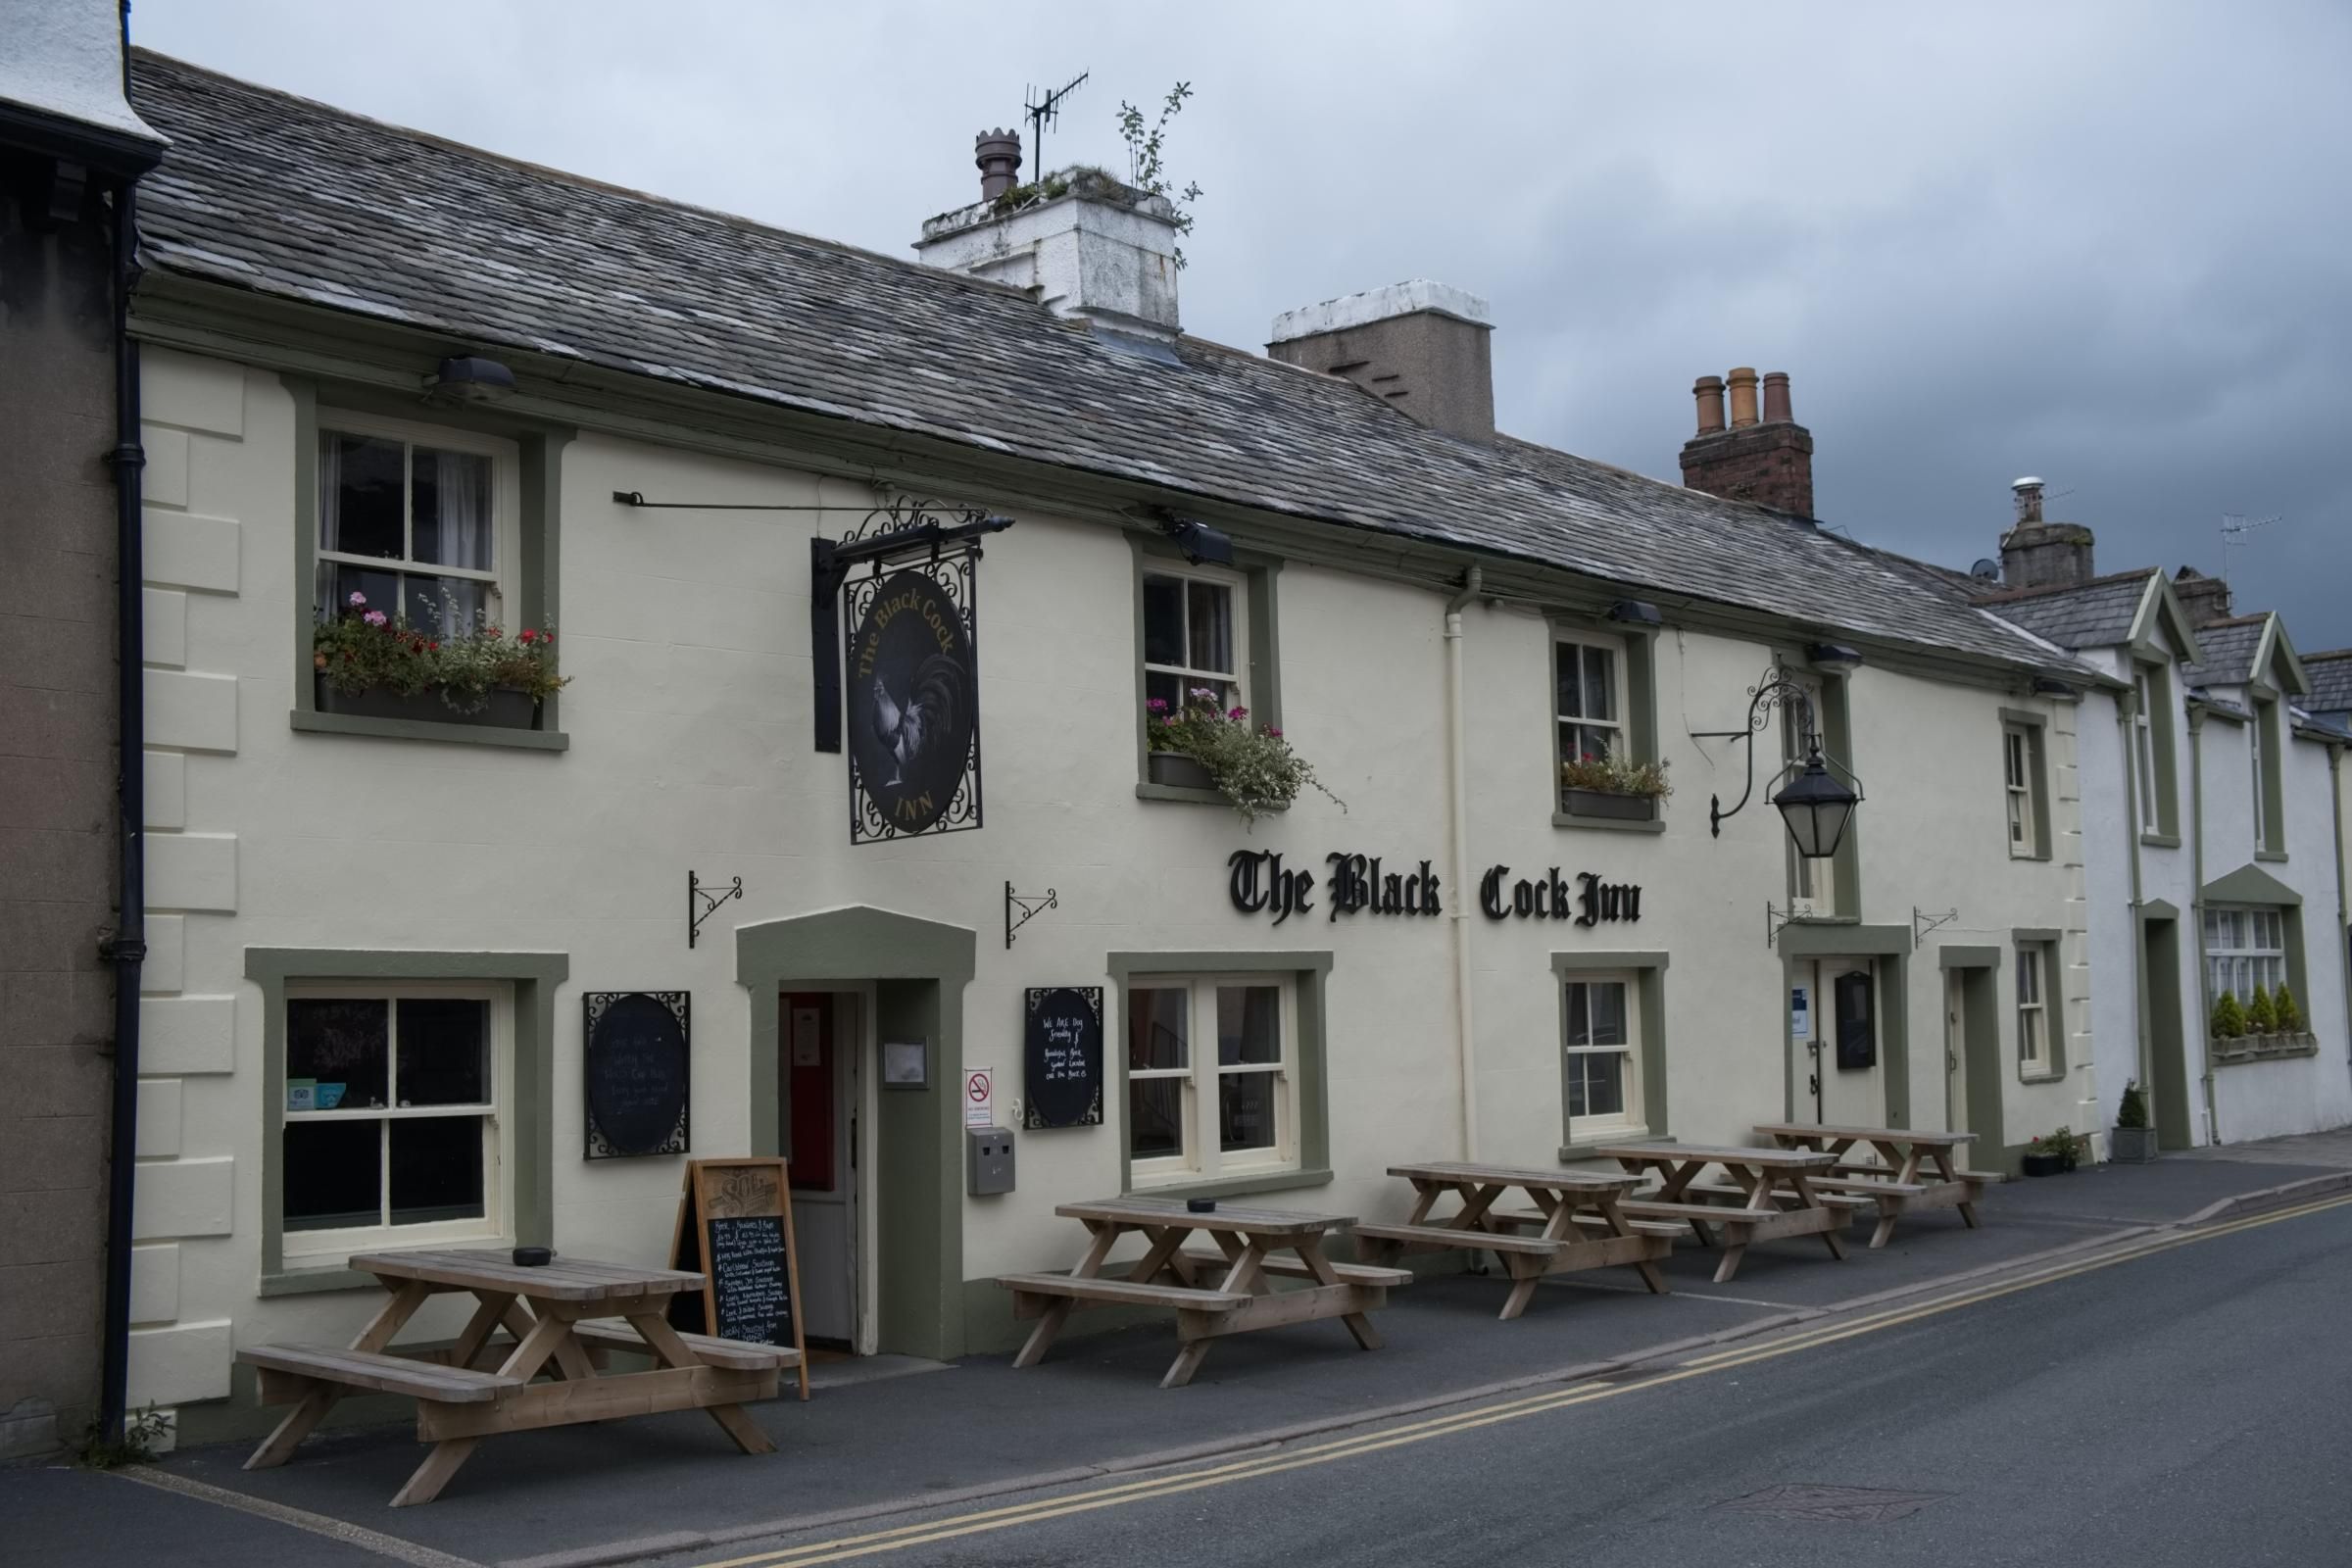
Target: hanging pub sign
x=634, y=1073
x=1061, y=1057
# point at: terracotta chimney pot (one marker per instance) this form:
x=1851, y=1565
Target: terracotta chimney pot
x=1708, y=389
x=1743, y=398
x=998, y=155
x=1776, y=397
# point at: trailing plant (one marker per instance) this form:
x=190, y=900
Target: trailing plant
x=366, y=650
x=2132, y=1112
x=2262, y=1017
x=1254, y=767
x=2063, y=1142
x=2289, y=1015
x=142, y=1430
x=2229, y=1019
x=1611, y=774
x=1144, y=169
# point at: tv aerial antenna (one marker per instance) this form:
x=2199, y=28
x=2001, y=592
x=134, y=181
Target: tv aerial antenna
x=1043, y=110
x=2236, y=525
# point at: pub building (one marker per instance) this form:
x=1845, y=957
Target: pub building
x=860, y=575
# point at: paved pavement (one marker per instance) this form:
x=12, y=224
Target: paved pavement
x=979, y=1428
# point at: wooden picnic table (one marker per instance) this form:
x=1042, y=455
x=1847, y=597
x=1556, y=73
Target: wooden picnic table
x=550, y=1312
x=1577, y=1222
x=1255, y=1245
x=1895, y=1182
x=1768, y=1196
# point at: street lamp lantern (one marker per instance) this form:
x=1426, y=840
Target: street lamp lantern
x=1816, y=803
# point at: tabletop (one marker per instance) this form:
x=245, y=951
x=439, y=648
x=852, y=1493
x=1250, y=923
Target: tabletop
x=1892, y=1135
x=1506, y=1176
x=1171, y=1212
x=1753, y=1158
x=493, y=1268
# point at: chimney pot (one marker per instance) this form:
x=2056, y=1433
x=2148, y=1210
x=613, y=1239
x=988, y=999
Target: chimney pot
x=1708, y=389
x=2028, y=493
x=1743, y=398
x=1776, y=397
x=998, y=155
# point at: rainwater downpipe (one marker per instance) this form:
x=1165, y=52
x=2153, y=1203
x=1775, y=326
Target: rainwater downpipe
x=2343, y=915
x=128, y=947
x=2126, y=710
x=2196, y=817
x=1458, y=767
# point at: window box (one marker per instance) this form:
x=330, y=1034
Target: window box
x=1620, y=808
x=2263, y=1047
x=506, y=710
x=1175, y=770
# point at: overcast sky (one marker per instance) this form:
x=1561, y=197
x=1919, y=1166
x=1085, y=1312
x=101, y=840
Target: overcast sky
x=2104, y=244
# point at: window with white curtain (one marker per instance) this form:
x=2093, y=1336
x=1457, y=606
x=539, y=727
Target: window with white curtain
x=1195, y=636
x=2244, y=948
x=412, y=519
x=1211, y=1085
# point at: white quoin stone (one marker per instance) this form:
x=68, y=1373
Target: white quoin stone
x=1104, y=250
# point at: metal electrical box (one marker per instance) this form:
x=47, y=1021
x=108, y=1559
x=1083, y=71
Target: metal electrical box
x=987, y=1161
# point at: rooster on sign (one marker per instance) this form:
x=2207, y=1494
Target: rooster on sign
x=909, y=730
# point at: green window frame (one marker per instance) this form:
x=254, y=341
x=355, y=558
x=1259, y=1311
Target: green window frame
x=530, y=979
x=531, y=582
x=2040, y=948
x=1647, y=972
x=2025, y=783
x=1257, y=624
x=1305, y=1060
x=2265, y=740
x=1634, y=656
x=2153, y=762
x=1810, y=885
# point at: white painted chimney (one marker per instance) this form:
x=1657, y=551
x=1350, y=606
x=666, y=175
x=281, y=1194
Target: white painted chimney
x=1081, y=242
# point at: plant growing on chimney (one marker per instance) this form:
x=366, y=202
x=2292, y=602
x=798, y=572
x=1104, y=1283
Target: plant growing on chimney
x=1144, y=169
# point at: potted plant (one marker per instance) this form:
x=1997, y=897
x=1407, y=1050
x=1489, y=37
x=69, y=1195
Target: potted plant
x=2289, y=1015
x=2052, y=1156
x=2133, y=1141
x=1608, y=785
x=367, y=663
x=2228, y=1022
x=1252, y=766
x=2262, y=1015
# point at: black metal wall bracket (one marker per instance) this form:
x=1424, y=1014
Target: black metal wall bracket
x=1029, y=904
x=899, y=531
x=700, y=905
x=1922, y=923
x=1774, y=921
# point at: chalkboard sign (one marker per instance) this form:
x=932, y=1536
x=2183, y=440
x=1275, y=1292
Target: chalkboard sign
x=1061, y=1057
x=1857, y=1029
x=735, y=1230
x=634, y=1070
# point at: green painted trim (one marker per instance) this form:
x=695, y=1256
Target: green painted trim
x=2035, y=932
x=2161, y=841
x=1893, y=1003
x=317, y=1282
x=1638, y=651
x=2276, y=856
x=2167, y=766
x=1605, y=824
x=1309, y=972
x=1650, y=989
x=2250, y=885
x=919, y=969
x=1823, y=939
x=1838, y=741
x=2158, y=910
x=2274, y=785
x=1981, y=1055
x=2162, y=615
x=2053, y=1002
x=535, y=977
x=2240, y=1058
x=2037, y=765
x=1260, y=573
x=1960, y=958
x=1586, y=962
x=423, y=729
x=2166, y=1036
x=536, y=578
x=1146, y=790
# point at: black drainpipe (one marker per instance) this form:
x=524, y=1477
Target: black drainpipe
x=128, y=946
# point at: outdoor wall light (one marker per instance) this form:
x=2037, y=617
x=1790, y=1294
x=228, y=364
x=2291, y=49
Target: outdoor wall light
x=2052, y=686
x=1834, y=658
x=1201, y=544
x=1636, y=613
x=1816, y=804
x=469, y=379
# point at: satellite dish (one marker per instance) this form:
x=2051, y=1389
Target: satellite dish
x=1987, y=569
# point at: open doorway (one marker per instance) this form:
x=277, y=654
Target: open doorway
x=822, y=1118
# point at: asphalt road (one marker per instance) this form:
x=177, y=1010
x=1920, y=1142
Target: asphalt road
x=2182, y=1407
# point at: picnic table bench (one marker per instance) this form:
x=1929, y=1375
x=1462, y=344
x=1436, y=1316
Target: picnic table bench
x=1577, y=1222
x=1895, y=1184
x=549, y=1311
x=1230, y=1291
x=1770, y=1196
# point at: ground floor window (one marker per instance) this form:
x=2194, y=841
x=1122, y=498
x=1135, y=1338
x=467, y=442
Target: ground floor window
x=392, y=1128
x=1211, y=1089
x=2033, y=1011
x=1601, y=1072
x=2244, y=949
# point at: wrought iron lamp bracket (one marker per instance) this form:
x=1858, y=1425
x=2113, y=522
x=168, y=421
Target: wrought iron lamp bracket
x=1776, y=920
x=700, y=905
x=1776, y=690
x=1922, y=923
x=1029, y=905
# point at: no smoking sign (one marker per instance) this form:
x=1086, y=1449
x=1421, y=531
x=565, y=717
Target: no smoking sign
x=979, y=1098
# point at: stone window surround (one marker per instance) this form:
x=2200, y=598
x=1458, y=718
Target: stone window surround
x=533, y=580
x=1307, y=972
x=2054, y=1005
x=2158, y=674
x=1637, y=686
x=2038, y=777
x=1260, y=624
x=1648, y=970
x=534, y=977
x=1834, y=717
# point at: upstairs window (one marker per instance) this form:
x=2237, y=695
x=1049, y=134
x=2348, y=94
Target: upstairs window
x=1195, y=636
x=2018, y=785
x=2143, y=755
x=2256, y=750
x=1589, y=700
x=412, y=518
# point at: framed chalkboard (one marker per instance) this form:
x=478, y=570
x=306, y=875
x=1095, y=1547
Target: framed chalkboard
x=1857, y=1028
x=1061, y=1057
x=634, y=1070
x=735, y=1230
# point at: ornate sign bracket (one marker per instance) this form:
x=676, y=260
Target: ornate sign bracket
x=1029, y=905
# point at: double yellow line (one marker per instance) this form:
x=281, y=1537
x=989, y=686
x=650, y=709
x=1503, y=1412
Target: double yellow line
x=1039, y=1511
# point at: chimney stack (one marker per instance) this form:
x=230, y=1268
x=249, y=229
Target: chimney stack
x=998, y=155
x=2205, y=599
x=1768, y=460
x=1422, y=347
x=2036, y=553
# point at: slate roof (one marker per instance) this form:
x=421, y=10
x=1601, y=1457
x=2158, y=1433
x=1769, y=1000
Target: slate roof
x=2098, y=613
x=2331, y=681
x=2229, y=647
x=265, y=191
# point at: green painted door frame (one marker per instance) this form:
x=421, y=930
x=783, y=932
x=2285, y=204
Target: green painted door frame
x=2167, y=1040
x=919, y=969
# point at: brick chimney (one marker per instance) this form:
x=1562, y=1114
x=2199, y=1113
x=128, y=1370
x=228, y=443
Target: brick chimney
x=2039, y=554
x=1766, y=458
x=1422, y=347
x=2205, y=599
x=1082, y=243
